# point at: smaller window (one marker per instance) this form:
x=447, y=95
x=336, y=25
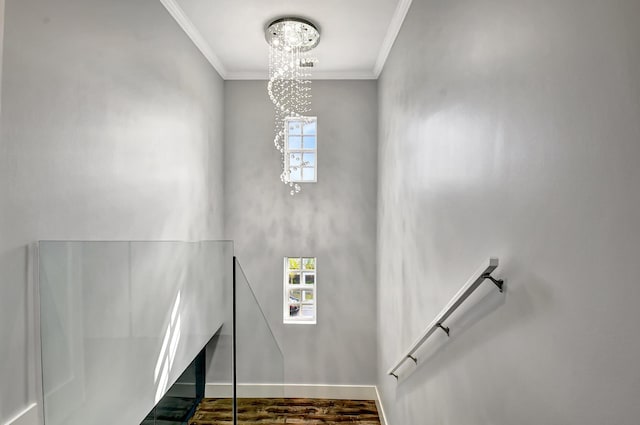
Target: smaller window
x=300, y=293
x=301, y=134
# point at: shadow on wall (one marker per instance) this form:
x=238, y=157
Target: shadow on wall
x=471, y=328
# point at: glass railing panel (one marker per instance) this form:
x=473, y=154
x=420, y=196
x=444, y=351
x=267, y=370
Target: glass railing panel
x=122, y=321
x=219, y=376
x=179, y=403
x=259, y=359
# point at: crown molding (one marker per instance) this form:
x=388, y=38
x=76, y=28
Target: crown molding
x=248, y=75
x=320, y=75
x=192, y=32
x=392, y=33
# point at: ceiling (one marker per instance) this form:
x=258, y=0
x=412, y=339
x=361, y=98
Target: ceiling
x=355, y=35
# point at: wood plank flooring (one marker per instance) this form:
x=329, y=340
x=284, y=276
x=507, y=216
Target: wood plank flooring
x=277, y=411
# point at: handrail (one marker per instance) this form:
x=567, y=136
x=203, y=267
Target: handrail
x=483, y=273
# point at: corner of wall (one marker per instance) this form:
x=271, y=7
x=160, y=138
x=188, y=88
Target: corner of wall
x=381, y=414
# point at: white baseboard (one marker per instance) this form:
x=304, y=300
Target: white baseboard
x=28, y=416
x=181, y=389
x=381, y=414
x=338, y=392
x=218, y=391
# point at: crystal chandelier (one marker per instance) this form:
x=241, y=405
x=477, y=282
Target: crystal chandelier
x=290, y=39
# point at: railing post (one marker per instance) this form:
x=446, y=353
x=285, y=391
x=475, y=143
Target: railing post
x=234, y=401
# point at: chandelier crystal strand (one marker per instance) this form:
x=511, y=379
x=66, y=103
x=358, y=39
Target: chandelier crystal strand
x=290, y=40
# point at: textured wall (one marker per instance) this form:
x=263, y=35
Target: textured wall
x=512, y=128
x=333, y=220
x=111, y=129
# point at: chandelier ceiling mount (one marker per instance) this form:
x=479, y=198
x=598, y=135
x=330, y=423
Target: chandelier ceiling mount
x=292, y=32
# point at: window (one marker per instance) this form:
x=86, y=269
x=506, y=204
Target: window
x=300, y=292
x=301, y=148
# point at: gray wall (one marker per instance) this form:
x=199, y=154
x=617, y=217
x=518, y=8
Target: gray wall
x=511, y=128
x=333, y=220
x=111, y=129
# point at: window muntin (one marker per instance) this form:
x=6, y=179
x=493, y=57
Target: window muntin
x=301, y=143
x=300, y=290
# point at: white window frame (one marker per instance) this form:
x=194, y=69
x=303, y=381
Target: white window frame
x=302, y=150
x=300, y=320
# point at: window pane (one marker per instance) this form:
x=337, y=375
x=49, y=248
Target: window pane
x=295, y=127
x=294, y=263
x=295, y=159
x=296, y=174
x=309, y=159
x=310, y=127
x=309, y=263
x=294, y=278
x=295, y=295
x=308, y=311
x=294, y=310
x=309, y=278
x=309, y=142
x=295, y=142
x=308, y=174
x=307, y=296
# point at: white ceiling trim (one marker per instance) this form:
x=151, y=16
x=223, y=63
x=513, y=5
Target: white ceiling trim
x=192, y=32
x=326, y=75
x=392, y=33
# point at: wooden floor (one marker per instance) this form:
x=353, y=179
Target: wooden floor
x=272, y=411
